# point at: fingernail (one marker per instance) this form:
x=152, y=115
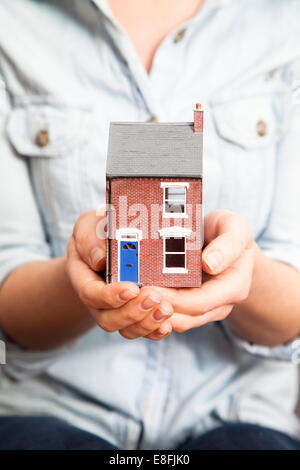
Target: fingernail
x=159, y=315
x=96, y=255
x=213, y=259
x=149, y=302
x=163, y=331
x=128, y=294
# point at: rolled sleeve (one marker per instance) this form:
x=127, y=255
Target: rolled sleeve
x=22, y=239
x=21, y=364
x=289, y=352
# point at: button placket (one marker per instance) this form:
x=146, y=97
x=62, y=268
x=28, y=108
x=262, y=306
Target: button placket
x=152, y=119
x=179, y=36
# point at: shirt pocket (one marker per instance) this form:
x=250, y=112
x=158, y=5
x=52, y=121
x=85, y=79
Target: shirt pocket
x=53, y=138
x=253, y=121
x=249, y=126
x=65, y=128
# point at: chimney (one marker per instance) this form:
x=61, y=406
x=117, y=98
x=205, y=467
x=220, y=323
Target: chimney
x=198, y=119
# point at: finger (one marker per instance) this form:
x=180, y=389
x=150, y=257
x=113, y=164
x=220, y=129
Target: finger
x=132, y=312
x=161, y=332
x=230, y=287
x=92, y=289
x=181, y=322
x=150, y=323
x=90, y=239
x=228, y=236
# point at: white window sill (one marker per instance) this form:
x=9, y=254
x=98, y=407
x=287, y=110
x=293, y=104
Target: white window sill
x=176, y=184
x=175, y=231
x=175, y=271
x=174, y=215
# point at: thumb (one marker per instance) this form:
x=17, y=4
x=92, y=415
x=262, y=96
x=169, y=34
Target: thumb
x=90, y=240
x=233, y=237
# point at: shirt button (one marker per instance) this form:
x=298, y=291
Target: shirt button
x=261, y=128
x=179, y=36
x=152, y=119
x=42, y=138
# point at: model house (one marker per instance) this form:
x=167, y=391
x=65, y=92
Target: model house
x=154, y=197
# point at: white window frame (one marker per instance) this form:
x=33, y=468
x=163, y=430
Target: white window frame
x=128, y=233
x=174, y=232
x=174, y=184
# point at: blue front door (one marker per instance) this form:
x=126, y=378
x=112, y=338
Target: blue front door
x=129, y=261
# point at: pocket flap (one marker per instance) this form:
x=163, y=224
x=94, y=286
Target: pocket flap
x=46, y=130
x=253, y=121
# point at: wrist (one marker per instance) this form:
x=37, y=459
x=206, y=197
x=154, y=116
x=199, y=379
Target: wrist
x=240, y=317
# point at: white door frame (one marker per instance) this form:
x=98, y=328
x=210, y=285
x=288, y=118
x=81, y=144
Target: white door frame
x=128, y=234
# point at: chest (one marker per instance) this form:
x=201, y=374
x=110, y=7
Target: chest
x=88, y=83
x=148, y=23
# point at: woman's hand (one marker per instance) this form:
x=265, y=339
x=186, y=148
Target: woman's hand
x=119, y=306
x=228, y=260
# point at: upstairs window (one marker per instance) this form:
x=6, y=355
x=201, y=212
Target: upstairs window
x=174, y=200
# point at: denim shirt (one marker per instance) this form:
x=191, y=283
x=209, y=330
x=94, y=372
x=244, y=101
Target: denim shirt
x=68, y=67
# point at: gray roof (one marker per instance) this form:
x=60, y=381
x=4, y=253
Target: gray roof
x=154, y=149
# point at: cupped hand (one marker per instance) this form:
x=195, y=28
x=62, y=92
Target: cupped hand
x=119, y=306
x=228, y=261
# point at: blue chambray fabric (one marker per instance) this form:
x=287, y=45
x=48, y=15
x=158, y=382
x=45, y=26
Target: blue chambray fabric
x=69, y=67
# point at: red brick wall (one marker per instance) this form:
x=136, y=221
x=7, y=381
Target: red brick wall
x=147, y=191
